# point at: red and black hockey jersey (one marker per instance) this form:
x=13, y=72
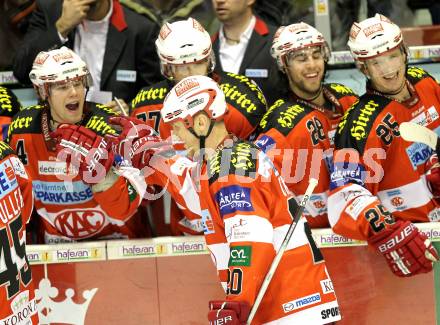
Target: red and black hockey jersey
x=375, y=171
x=9, y=106
x=68, y=207
x=17, y=297
x=246, y=104
x=298, y=136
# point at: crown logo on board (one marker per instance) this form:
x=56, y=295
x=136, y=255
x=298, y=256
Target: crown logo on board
x=66, y=311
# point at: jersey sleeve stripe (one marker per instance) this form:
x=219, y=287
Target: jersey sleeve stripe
x=339, y=199
x=412, y=195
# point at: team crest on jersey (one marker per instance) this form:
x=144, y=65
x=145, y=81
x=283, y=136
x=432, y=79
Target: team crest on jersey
x=79, y=224
x=234, y=198
x=396, y=200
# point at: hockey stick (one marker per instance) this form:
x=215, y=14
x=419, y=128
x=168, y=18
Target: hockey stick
x=300, y=209
x=414, y=132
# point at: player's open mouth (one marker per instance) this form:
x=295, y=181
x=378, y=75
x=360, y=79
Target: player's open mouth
x=311, y=75
x=391, y=76
x=72, y=106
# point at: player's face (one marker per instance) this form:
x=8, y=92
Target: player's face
x=387, y=71
x=306, y=69
x=182, y=135
x=66, y=101
x=182, y=71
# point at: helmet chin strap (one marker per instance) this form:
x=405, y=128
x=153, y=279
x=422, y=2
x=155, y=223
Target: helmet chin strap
x=202, y=138
x=315, y=96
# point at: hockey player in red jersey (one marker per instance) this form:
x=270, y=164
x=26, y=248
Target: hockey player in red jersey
x=184, y=48
x=246, y=210
x=72, y=207
x=17, y=297
x=300, y=127
x=378, y=179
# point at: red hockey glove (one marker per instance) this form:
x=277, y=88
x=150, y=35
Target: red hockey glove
x=228, y=312
x=137, y=142
x=432, y=167
x=407, y=251
x=88, y=152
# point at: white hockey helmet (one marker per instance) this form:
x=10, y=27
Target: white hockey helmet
x=183, y=42
x=57, y=66
x=193, y=95
x=373, y=36
x=295, y=37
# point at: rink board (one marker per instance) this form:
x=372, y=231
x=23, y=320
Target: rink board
x=170, y=280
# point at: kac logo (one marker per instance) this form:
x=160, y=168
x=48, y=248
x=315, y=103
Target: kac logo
x=78, y=224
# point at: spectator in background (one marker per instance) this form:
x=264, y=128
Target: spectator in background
x=169, y=11
x=432, y=5
x=13, y=24
x=242, y=46
x=344, y=12
x=116, y=43
x=72, y=200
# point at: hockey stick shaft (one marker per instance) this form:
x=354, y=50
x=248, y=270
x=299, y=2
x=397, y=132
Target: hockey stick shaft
x=267, y=279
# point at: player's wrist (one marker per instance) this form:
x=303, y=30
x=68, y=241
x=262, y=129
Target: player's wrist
x=62, y=27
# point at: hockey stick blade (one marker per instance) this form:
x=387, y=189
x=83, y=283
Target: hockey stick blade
x=414, y=132
x=295, y=217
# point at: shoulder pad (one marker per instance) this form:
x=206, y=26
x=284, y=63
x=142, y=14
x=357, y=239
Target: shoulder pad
x=243, y=94
x=415, y=74
x=154, y=94
x=356, y=124
x=339, y=90
x=240, y=159
x=5, y=150
x=28, y=120
x=284, y=116
x=9, y=103
x=97, y=117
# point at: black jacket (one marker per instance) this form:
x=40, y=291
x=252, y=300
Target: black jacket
x=258, y=61
x=129, y=46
